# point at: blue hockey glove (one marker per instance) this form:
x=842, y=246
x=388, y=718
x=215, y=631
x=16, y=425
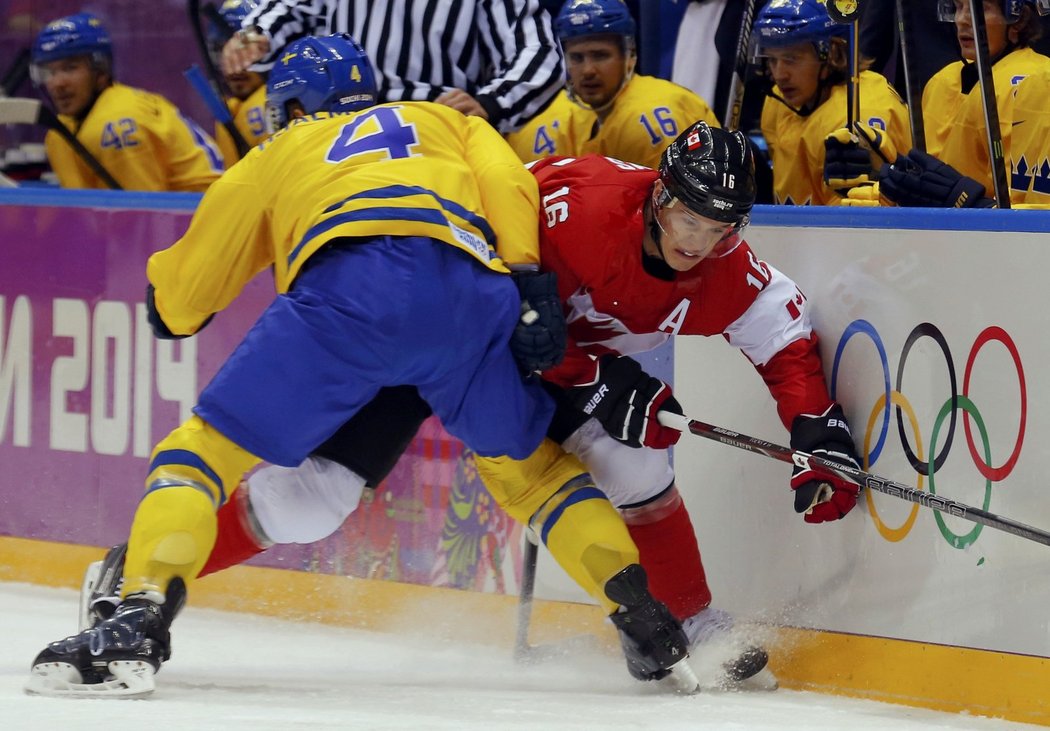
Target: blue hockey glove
x=819, y=493
x=921, y=180
x=160, y=330
x=539, y=340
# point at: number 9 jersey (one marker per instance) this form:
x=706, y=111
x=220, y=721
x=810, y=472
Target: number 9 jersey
x=141, y=139
x=405, y=169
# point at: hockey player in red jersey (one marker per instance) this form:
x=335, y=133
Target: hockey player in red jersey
x=671, y=260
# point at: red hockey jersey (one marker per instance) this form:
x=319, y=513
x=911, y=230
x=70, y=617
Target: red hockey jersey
x=618, y=300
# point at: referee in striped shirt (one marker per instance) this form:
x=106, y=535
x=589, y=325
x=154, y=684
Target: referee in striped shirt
x=496, y=59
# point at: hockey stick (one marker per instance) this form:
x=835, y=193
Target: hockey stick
x=522, y=649
x=16, y=73
x=991, y=110
x=858, y=476
x=19, y=110
x=218, y=87
x=735, y=102
x=911, y=79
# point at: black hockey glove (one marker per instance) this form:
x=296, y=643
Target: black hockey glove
x=921, y=180
x=539, y=341
x=160, y=330
x=819, y=493
x=626, y=399
x=846, y=163
x=852, y=158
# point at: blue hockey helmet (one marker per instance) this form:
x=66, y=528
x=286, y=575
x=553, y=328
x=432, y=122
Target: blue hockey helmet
x=579, y=18
x=712, y=171
x=323, y=74
x=584, y=18
x=787, y=22
x=1011, y=9
x=232, y=12
x=82, y=34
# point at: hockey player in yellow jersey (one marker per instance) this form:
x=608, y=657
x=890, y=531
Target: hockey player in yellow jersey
x=919, y=179
x=807, y=57
x=606, y=108
x=390, y=230
x=139, y=137
x=956, y=133
x=247, y=101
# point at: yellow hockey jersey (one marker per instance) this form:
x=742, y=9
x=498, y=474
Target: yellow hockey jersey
x=945, y=107
x=1028, y=157
x=646, y=117
x=249, y=117
x=405, y=169
x=549, y=132
x=141, y=139
x=796, y=143
x=966, y=144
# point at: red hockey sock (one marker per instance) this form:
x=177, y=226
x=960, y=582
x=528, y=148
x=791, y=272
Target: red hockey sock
x=235, y=542
x=671, y=558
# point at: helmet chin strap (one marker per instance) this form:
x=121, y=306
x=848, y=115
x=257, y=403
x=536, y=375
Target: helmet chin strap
x=656, y=229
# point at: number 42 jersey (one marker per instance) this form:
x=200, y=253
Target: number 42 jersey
x=619, y=300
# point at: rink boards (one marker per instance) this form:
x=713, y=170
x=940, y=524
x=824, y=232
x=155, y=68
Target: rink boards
x=895, y=602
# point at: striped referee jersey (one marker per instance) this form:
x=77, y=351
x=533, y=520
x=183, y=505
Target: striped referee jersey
x=501, y=52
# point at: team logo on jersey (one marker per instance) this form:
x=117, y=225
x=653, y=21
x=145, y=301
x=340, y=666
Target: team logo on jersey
x=1035, y=177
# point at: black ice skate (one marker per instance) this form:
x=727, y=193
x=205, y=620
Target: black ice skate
x=117, y=657
x=653, y=641
x=100, y=590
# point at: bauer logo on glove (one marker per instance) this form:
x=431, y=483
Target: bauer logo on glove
x=821, y=494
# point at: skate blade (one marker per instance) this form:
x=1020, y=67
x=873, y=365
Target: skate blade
x=130, y=679
x=764, y=681
x=682, y=680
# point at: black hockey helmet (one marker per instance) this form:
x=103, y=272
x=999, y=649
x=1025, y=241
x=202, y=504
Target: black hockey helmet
x=712, y=172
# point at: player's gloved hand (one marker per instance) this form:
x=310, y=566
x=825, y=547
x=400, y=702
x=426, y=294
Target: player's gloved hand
x=862, y=196
x=161, y=330
x=625, y=399
x=853, y=157
x=819, y=493
x=921, y=180
x=539, y=341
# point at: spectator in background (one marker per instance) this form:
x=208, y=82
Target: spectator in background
x=494, y=59
x=922, y=180
x=815, y=159
x=606, y=108
x=140, y=138
x=247, y=102
x=932, y=42
x=952, y=104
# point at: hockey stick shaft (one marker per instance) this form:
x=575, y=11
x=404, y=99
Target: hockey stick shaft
x=218, y=87
x=911, y=79
x=735, y=102
x=991, y=111
x=16, y=73
x=528, y=587
x=17, y=110
x=853, y=474
x=853, y=90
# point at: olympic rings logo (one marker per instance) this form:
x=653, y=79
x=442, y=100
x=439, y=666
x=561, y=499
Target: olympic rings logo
x=926, y=467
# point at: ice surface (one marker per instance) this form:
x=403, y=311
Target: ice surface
x=232, y=671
